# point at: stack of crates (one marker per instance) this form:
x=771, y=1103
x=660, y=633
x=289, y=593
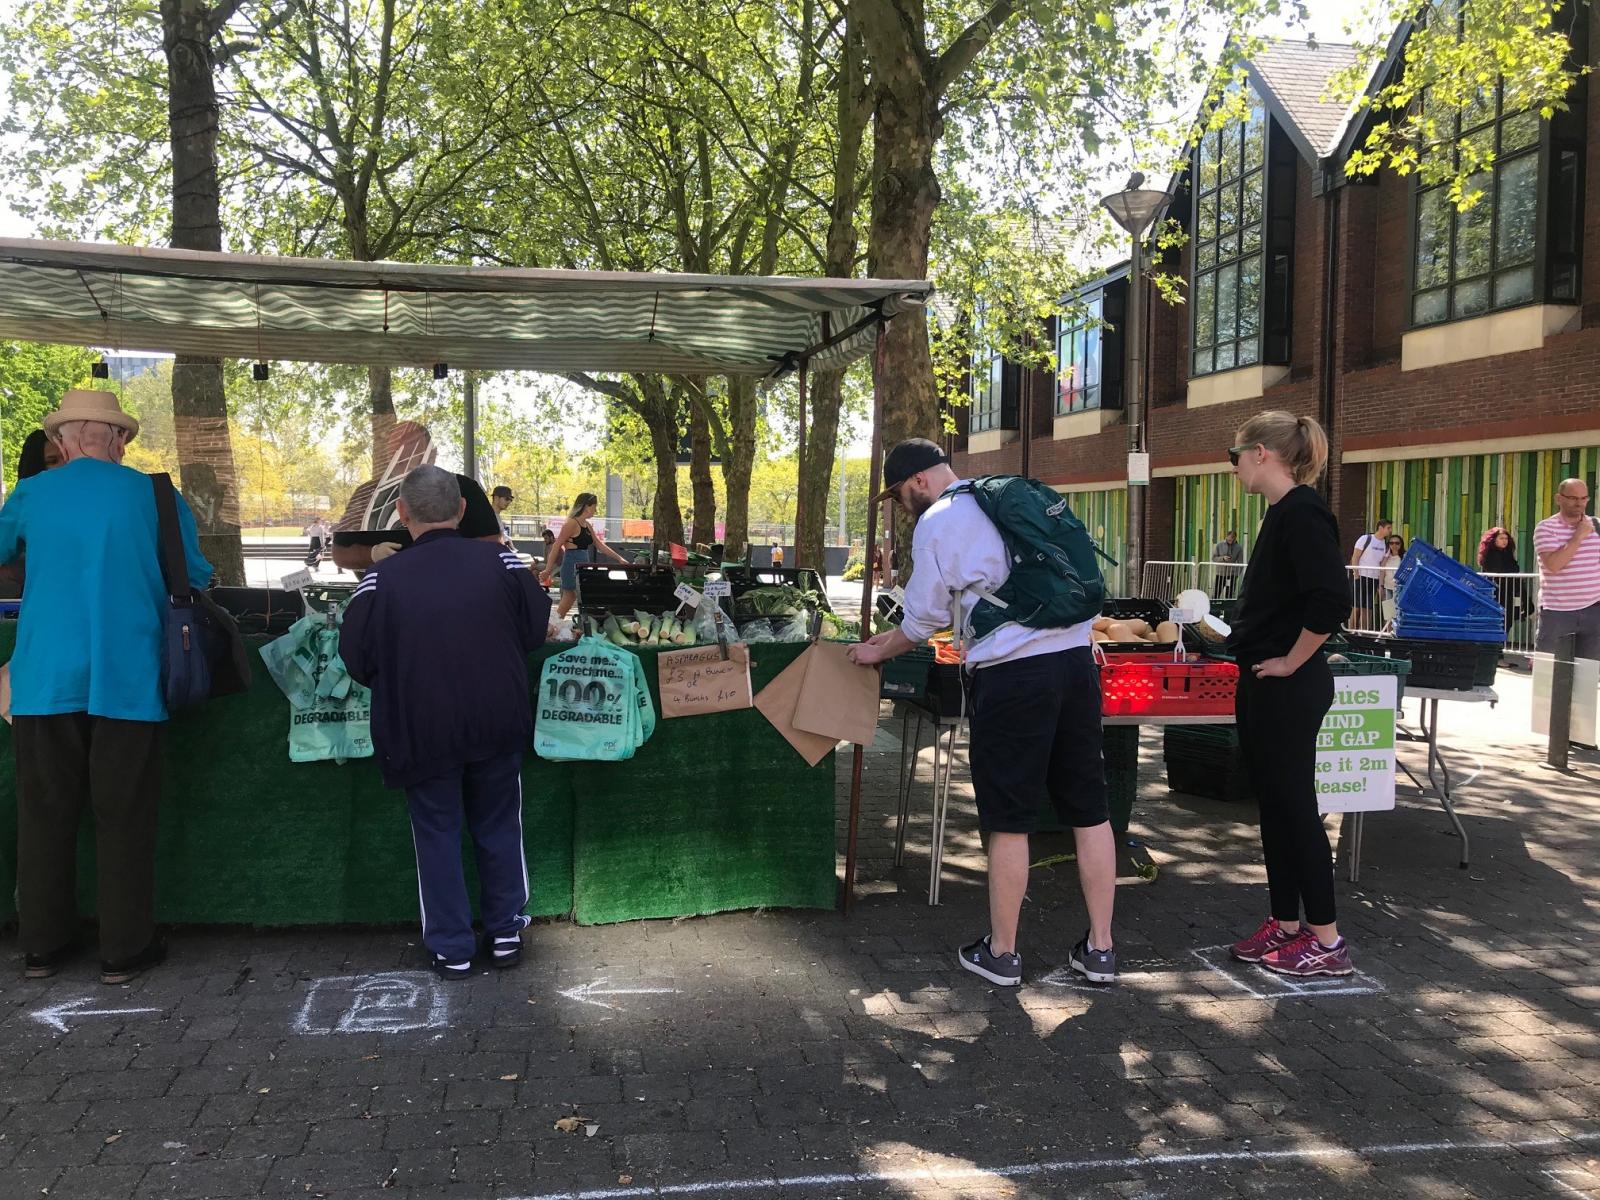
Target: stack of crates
x=1205, y=760
x=1439, y=600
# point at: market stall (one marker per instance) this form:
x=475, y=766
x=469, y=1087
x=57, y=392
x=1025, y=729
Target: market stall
x=713, y=813
x=716, y=811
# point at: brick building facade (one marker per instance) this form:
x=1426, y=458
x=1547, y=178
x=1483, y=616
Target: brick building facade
x=1446, y=423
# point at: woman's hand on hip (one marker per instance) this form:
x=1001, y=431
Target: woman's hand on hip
x=1274, y=668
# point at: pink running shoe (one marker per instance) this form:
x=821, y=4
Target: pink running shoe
x=1305, y=956
x=1269, y=937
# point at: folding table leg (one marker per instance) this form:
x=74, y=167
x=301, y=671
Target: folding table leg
x=941, y=805
x=909, y=746
x=1442, y=788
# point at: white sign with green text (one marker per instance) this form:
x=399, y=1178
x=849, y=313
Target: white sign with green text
x=1355, y=750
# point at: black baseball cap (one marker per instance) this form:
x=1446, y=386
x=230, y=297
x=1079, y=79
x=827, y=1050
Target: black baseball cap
x=503, y=490
x=909, y=458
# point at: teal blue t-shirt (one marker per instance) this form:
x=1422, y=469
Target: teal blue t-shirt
x=89, y=638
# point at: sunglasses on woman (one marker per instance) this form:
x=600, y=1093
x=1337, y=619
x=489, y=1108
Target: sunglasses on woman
x=1236, y=451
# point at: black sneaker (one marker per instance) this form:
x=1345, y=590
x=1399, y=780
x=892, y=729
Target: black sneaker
x=129, y=969
x=1097, y=966
x=504, y=950
x=42, y=966
x=1004, y=969
x=445, y=969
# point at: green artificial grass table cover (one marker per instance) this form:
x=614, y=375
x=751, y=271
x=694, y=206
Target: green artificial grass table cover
x=713, y=813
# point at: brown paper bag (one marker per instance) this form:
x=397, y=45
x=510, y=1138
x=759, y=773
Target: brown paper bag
x=838, y=699
x=776, y=702
x=698, y=681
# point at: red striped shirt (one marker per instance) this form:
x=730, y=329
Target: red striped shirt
x=1577, y=585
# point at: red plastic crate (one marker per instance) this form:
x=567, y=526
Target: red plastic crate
x=1133, y=685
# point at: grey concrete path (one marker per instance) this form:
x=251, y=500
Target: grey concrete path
x=801, y=1056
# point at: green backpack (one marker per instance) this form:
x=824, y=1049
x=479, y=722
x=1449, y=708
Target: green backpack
x=1055, y=575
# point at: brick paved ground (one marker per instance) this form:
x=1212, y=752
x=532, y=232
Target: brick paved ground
x=810, y=1057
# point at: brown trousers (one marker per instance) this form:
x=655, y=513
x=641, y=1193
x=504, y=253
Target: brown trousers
x=65, y=763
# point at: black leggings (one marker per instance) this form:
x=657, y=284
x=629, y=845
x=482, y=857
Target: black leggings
x=1278, y=724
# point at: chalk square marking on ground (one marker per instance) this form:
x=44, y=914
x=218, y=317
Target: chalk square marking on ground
x=392, y=1002
x=1262, y=984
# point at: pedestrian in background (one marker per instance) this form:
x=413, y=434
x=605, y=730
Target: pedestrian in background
x=86, y=699
x=1230, y=555
x=1497, y=557
x=1367, y=586
x=1388, y=569
x=441, y=634
x=576, y=543
x=1568, y=546
x=1294, y=596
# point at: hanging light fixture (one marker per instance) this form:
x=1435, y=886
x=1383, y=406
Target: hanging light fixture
x=441, y=370
x=100, y=370
x=260, y=372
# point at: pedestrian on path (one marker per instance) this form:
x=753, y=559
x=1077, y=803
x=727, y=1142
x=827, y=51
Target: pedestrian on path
x=1229, y=554
x=1294, y=596
x=1568, y=546
x=86, y=699
x=1035, y=711
x=441, y=634
x=1367, y=584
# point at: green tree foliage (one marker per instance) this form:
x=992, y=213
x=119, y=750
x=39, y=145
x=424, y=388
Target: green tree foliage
x=32, y=379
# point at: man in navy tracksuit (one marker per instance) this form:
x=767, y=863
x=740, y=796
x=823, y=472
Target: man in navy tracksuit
x=440, y=632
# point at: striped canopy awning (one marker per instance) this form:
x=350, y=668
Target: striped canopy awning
x=403, y=314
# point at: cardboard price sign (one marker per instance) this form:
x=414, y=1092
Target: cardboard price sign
x=1355, y=749
x=687, y=596
x=700, y=681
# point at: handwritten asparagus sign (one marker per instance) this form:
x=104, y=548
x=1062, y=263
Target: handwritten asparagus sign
x=699, y=681
x=1355, y=749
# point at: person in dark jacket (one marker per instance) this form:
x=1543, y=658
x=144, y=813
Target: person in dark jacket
x=441, y=632
x=1497, y=557
x=1293, y=597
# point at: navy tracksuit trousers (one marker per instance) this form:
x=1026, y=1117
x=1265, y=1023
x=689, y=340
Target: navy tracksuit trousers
x=489, y=795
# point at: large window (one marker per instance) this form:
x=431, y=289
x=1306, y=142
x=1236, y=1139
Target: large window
x=988, y=393
x=1468, y=263
x=1230, y=173
x=1078, y=359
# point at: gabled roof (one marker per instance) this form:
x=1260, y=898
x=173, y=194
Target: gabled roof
x=1292, y=77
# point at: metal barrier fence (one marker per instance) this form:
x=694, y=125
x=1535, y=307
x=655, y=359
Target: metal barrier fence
x=1518, y=595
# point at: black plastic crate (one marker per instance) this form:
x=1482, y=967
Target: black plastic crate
x=742, y=579
x=1128, y=608
x=1205, y=760
x=613, y=588
x=1453, y=666
x=905, y=677
x=946, y=694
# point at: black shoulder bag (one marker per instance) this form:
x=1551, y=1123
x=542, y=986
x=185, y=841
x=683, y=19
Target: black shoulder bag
x=204, y=654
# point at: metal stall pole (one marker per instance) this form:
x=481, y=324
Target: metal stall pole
x=874, y=478
x=469, y=432
x=800, y=466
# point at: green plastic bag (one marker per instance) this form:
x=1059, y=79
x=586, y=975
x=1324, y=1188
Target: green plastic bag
x=330, y=714
x=593, y=704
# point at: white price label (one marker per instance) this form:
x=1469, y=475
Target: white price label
x=718, y=588
x=1179, y=616
x=897, y=594
x=687, y=595
x=300, y=579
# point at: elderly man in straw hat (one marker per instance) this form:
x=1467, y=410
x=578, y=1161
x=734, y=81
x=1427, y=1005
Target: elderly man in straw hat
x=86, y=687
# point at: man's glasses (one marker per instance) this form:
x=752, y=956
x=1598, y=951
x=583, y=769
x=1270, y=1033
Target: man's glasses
x=1236, y=451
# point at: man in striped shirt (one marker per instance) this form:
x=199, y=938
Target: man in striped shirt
x=1568, y=546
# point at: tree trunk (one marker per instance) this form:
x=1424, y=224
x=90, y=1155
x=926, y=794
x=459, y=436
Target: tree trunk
x=661, y=418
x=737, y=467
x=826, y=393
x=199, y=401
x=380, y=384
x=702, y=488
x=905, y=191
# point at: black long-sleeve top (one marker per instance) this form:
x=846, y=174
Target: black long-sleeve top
x=1296, y=579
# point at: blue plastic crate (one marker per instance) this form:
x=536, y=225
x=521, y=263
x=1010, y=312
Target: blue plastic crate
x=1449, y=631
x=1429, y=594
x=1422, y=555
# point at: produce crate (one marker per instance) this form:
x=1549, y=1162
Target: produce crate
x=1450, y=629
x=1120, y=745
x=605, y=588
x=1205, y=760
x=1423, y=559
x=1141, y=685
x=906, y=676
x=742, y=579
x=1456, y=666
x=1371, y=664
x=1130, y=608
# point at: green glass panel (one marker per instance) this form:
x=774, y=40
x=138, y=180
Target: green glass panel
x=1227, y=302
x=1472, y=231
x=1433, y=238
x=1518, y=132
x=1250, y=296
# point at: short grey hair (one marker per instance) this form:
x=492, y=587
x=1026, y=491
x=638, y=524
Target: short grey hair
x=432, y=496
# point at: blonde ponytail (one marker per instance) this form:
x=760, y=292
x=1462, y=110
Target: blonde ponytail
x=1298, y=441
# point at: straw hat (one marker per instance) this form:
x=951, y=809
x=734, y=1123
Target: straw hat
x=80, y=404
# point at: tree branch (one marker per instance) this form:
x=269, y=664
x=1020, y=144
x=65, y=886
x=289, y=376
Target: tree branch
x=971, y=42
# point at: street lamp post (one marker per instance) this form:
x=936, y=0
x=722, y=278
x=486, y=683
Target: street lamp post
x=1134, y=208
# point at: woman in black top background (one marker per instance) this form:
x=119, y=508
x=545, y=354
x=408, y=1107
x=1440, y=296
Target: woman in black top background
x=575, y=543
x=1294, y=596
